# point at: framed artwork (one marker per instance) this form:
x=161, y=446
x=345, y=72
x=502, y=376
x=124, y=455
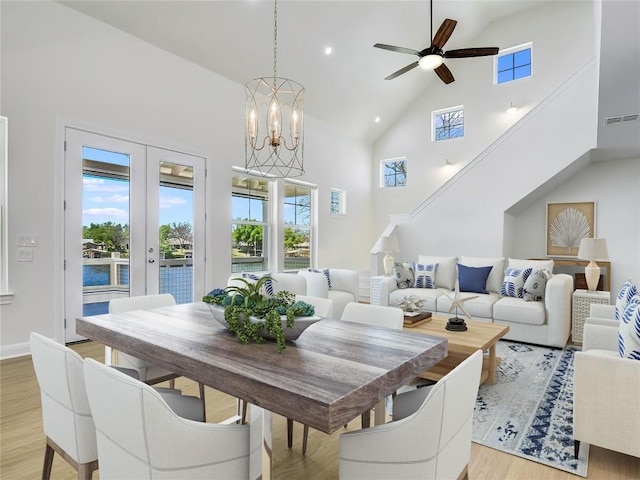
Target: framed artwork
x=567, y=224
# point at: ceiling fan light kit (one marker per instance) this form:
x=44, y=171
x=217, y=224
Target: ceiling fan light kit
x=432, y=57
x=274, y=127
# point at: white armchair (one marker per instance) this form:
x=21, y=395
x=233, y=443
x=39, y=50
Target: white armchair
x=139, y=436
x=344, y=287
x=606, y=389
x=432, y=442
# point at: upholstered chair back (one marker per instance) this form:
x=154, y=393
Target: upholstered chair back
x=376, y=315
x=322, y=306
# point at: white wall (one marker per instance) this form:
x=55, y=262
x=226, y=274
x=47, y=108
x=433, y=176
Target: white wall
x=615, y=187
x=59, y=66
x=563, y=39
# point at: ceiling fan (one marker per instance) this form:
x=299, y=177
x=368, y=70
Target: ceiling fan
x=432, y=57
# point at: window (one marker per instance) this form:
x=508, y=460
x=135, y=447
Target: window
x=250, y=223
x=448, y=123
x=393, y=173
x=513, y=63
x=298, y=209
x=338, y=202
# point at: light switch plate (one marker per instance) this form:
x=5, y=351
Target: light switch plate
x=25, y=255
x=27, y=240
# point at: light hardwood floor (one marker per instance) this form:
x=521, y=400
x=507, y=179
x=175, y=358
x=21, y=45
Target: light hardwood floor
x=22, y=441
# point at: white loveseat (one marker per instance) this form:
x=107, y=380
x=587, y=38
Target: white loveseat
x=344, y=285
x=545, y=322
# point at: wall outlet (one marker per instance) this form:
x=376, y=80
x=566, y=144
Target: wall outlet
x=27, y=240
x=25, y=255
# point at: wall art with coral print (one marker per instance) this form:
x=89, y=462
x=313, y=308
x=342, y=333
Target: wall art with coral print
x=567, y=224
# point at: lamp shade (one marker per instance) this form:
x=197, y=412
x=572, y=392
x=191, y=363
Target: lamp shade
x=593, y=249
x=385, y=244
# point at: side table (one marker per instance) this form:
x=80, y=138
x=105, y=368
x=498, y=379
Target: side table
x=582, y=300
x=374, y=290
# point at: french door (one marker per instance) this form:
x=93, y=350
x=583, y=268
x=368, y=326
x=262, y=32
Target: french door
x=134, y=224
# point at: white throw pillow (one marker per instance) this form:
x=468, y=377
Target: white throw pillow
x=534, y=264
x=629, y=330
x=267, y=286
x=535, y=285
x=326, y=273
x=514, y=280
x=425, y=275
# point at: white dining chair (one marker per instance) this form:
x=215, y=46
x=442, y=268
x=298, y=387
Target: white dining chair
x=146, y=372
x=375, y=315
x=139, y=436
x=429, y=437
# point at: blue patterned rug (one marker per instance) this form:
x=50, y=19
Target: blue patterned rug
x=529, y=411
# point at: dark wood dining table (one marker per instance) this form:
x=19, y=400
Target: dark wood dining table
x=332, y=373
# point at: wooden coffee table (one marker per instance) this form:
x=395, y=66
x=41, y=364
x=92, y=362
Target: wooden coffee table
x=480, y=335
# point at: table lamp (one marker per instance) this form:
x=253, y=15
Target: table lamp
x=593, y=249
x=387, y=244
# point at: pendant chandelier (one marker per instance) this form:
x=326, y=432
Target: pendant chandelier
x=274, y=127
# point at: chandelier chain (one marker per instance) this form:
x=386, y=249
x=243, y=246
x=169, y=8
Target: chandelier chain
x=275, y=41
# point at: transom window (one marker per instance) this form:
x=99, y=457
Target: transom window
x=448, y=123
x=513, y=63
x=338, y=202
x=393, y=172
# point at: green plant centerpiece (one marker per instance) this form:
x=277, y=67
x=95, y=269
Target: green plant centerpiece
x=253, y=315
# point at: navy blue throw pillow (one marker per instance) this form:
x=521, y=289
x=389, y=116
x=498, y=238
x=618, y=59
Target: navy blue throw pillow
x=473, y=279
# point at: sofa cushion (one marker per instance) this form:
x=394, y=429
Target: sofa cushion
x=427, y=294
x=424, y=275
x=340, y=300
x=403, y=273
x=626, y=293
x=629, y=330
x=516, y=310
x=535, y=285
x=473, y=279
x=534, y=264
x=478, y=307
x=494, y=281
x=325, y=272
x=514, y=280
x=447, y=274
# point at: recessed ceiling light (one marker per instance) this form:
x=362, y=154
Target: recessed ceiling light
x=328, y=51
x=377, y=119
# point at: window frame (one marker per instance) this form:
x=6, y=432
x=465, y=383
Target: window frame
x=311, y=227
x=443, y=111
x=512, y=51
x=383, y=176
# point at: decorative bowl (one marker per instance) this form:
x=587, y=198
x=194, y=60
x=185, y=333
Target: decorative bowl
x=290, y=334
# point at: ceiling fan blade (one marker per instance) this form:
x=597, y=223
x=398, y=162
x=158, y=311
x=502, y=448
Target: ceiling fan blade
x=393, y=48
x=443, y=33
x=471, y=52
x=411, y=66
x=445, y=74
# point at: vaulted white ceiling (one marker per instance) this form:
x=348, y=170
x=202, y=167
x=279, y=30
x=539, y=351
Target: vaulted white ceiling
x=345, y=89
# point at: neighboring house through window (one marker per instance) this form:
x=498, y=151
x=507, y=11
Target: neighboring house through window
x=513, y=63
x=393, y=172
x=447, y=123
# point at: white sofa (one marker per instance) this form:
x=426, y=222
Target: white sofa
x=546, y=322
x=606, y=410
x=344, y=285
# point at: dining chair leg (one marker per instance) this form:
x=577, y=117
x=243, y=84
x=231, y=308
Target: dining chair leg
x=48, y=462
x=204, y=404
x=242, y=411
x=172, y=383
x=289, y=432
x=305, y=435
x=366, y=419
x=85, y=470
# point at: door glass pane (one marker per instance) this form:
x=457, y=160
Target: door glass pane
x=249, y=229
x=176, y=231
x=297, y=228
x=105, y=229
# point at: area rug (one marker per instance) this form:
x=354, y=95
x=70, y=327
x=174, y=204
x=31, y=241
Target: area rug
x=529, y=410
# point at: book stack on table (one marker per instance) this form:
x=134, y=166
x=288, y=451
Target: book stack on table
x=413, y=319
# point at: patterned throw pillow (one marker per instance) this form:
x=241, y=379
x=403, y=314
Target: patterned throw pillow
x=514, y=280
x=268, y=285
x=629, y=330
x=326, y=274
x=535, y=285
x=626, y=293
x=425, y=275
x=403, y=273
